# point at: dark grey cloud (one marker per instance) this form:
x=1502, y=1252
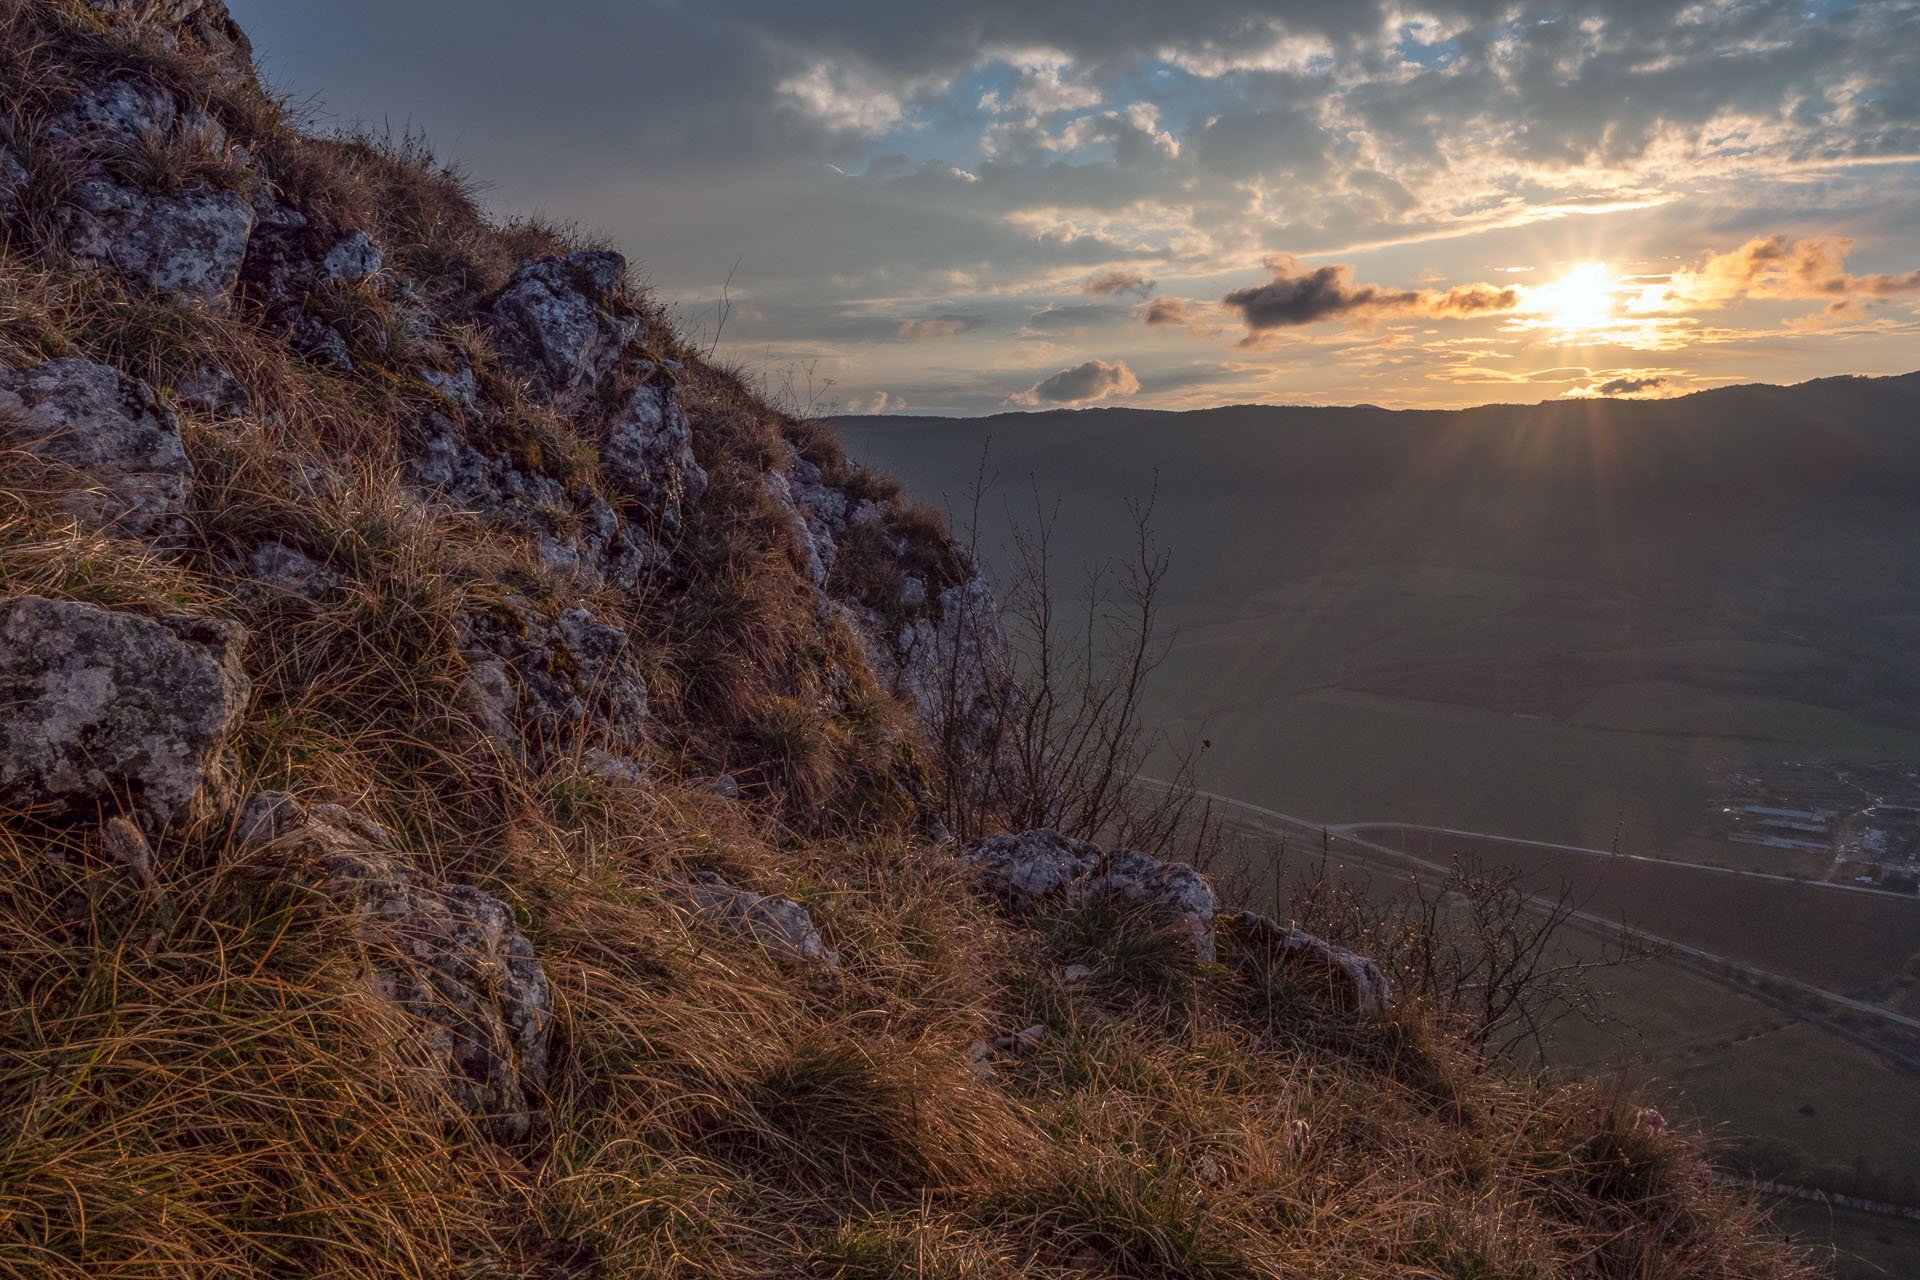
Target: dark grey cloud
x=1094, y=380
x=1296, y=296
x=1170, y=311
x=1106, y=283
x=1325, y=293
x=1629, y=386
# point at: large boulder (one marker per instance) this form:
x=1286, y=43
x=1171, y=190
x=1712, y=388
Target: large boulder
x=1027, y=868
x=1354, y=981
x=112, y=712
x=130, y=470
x=183, y=246
x=450, y=956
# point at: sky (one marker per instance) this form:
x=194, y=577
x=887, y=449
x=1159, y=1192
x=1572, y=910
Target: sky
x=972, y=206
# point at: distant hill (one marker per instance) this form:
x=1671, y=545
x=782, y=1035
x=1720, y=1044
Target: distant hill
x=1592, y=597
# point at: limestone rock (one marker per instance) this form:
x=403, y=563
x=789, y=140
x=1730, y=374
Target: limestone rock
x=564, y=324
x=1024, y=869
x=782, y=926
x=780, y=489
x=569, y=675
x=353, y=259
x=1171, y=888
x=290, y=571
x=579, y=534
x=186, y=246
x=111, y=711
x=1355, y=981
x=206, y=22
x=648, y=454
x=118, y=110
x=950, y=662
x=449, y=955
x=214, y=393
x=181, y=243
x=131, y=470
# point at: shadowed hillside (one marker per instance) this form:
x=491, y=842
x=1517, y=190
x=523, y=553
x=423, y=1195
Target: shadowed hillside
x=1589, y=602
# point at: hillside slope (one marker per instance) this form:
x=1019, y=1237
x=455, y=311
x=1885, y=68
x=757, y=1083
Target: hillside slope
x=465, y=810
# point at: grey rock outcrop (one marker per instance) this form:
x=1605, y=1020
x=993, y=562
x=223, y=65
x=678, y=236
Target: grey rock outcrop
x=214, y=393
x=780, y=925
x=449, y=956
x=187, y=245
x=951, y=663
x=130, y=471
x=187, y=242
x=1355, y=981
x=286, y=570
x=553, y=679
x=456, y=462
x=205, y=22
x=109, y=711
x=647, y=455
x=353, y=259
x=944, y=652
x=565, y=325
x=1025, y=869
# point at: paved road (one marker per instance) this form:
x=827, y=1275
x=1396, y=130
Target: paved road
x=1837, y=886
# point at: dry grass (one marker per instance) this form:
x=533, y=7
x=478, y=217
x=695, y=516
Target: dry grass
x=196, y=1081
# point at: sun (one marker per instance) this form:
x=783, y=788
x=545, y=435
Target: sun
x=1583, y=298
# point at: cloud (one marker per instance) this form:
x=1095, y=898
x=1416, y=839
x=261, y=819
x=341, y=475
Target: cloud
x=1170, y=311
x=878, y=402
x=1296, y=296
x=1094, y=380
x=1776, y=267
x=1631, y=386
x=842, y=100
x=1074, y=318
x=1107, y=283
x=921, y=327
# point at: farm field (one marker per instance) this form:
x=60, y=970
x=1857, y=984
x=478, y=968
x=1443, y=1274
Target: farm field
x=1840, y=939
x=1462, y=650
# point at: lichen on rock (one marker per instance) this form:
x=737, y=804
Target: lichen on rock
x=449, y=956
x=129, y=470
x=112, y=712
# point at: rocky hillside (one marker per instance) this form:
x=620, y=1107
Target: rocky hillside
x=465, y=809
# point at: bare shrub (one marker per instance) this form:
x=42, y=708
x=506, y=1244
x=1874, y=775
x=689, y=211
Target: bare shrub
x=1486, y=953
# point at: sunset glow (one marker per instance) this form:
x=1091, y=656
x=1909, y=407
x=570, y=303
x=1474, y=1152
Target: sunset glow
x=1582, y=299
x=1200, y=205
